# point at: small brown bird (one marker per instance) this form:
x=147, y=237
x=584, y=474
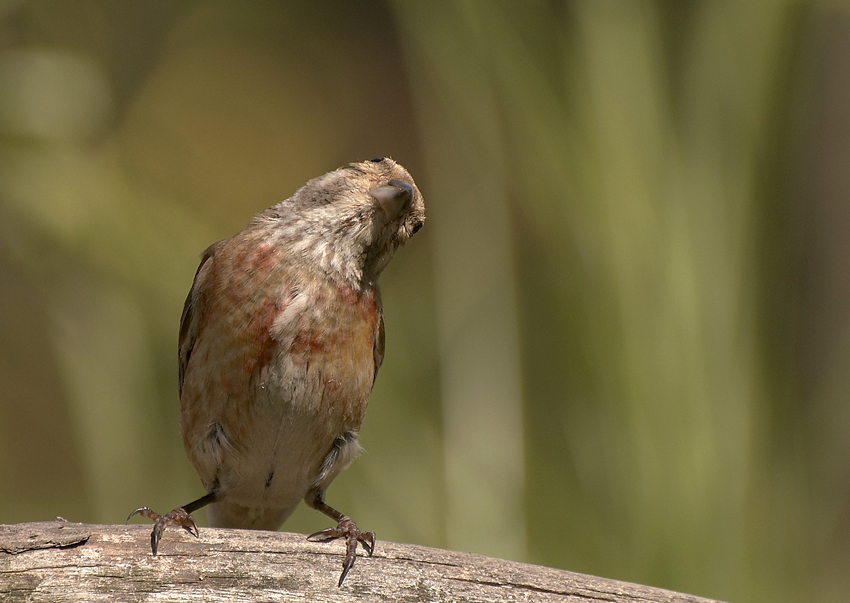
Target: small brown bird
x=281, y=338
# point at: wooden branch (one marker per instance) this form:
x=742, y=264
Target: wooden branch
x=64, y=561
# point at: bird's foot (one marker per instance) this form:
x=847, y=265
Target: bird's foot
x=178, y=516
x=347, y=529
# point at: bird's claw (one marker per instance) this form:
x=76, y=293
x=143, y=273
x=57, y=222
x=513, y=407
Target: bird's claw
x=178, y=516
x=347, y=529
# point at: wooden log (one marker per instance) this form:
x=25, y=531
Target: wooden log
x=64, y=561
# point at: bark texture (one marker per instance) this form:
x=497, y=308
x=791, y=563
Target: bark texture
x=64, y=561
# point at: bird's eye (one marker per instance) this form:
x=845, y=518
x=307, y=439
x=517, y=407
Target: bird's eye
x=377, y=160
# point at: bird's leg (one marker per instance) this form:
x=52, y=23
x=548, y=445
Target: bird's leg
x=180, y=516
x=346, y=528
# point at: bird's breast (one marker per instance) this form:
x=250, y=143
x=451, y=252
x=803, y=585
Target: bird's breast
x=282, y=366
x=331, y=342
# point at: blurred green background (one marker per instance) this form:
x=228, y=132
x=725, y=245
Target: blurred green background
x=620, y=346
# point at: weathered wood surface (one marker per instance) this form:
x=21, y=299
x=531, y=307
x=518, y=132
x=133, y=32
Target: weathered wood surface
x=64, y=561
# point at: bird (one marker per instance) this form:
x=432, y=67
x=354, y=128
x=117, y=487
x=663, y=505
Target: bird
x=280, y=341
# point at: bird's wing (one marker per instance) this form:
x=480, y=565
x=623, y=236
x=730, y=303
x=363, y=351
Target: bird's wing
x=192, y=311
x=378, y=346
